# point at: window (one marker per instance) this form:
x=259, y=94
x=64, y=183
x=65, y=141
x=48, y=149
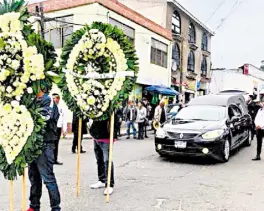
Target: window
x=176, y=54
x=58, y=32
x=159, y=53
x=128, y=31
x=205, y=42
x=176, y=23
x=192, y=34
x=204, y=66
x=191, y=62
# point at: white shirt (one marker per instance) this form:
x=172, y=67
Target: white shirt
x=259, y=121
x=62, y=122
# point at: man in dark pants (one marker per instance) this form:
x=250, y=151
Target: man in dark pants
x=42, y=167
x=259, y=122
x=75, y=130
x=61, y=128
x=100, y=131
x=252, y=112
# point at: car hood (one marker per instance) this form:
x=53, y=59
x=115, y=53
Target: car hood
x=199, y=126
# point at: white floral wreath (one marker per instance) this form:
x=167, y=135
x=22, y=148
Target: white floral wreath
x=93, y=96
x=26, y=64
x=20, y=65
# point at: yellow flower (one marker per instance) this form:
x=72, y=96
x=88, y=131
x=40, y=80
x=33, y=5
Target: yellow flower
x=91, y=100
x=7, y=107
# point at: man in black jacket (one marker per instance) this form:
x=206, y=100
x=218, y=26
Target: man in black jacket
x=100, y=131
x=42, y=167
x=75, y=130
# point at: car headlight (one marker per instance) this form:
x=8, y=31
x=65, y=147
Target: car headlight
x=212, y=134
x=160, y=133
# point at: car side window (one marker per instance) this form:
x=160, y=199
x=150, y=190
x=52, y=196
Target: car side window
x=233, y=110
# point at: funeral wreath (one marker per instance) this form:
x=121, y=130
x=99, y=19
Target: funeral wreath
x=95, y=63
x=26, y=66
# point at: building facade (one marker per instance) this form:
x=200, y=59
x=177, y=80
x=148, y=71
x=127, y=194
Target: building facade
x=191, y=49
x=248, y=79
x=153, y=42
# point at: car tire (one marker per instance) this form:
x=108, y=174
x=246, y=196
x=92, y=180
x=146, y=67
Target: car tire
x=226, y=151
x=249, y=140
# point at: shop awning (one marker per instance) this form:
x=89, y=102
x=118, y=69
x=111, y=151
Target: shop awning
x=162, y=90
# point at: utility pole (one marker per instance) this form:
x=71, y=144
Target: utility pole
x=40, y=15
x=181, y=68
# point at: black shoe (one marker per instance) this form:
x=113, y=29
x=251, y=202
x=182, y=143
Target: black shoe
x=146, y=137
x=256, y=158
x=128, y=137
x=82, y=152
x=135, y=137
x=73, y=152
x=58, y=163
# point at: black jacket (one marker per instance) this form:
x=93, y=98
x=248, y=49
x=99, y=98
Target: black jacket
x=101, y=129
x=75, y=124
x=49, y=112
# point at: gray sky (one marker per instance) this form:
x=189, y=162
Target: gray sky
x=239, y=40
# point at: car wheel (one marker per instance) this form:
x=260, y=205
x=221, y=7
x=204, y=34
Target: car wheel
x=226, y=151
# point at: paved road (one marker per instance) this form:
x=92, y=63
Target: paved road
x=145, y=182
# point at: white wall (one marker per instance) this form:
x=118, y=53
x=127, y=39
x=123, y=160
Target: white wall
x=232, y=79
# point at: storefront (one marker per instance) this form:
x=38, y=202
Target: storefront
x=190, y=89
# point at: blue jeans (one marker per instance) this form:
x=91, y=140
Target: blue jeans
x=42, y=169
x=128, y=125
x=101, y=151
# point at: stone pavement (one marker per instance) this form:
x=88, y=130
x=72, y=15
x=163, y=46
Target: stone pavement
x=146, y=182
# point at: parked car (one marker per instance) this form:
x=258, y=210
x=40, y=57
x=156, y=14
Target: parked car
x=210, y=125
x=172, y=110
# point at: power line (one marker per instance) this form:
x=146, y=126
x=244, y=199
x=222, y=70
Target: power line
x=216, y=10
x=231, y=11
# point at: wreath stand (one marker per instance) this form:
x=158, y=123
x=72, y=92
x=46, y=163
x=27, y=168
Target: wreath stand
x=110, y=157
x=11, y=192
x=24, y=190
x=79, y=157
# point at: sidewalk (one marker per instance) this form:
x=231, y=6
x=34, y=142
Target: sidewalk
x=123, y=132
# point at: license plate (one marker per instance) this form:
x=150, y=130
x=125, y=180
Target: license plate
x=180, y=144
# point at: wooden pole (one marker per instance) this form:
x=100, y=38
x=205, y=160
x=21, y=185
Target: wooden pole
x=24, y=190
x=11, y=191
x=110, y=158
x=79, y=157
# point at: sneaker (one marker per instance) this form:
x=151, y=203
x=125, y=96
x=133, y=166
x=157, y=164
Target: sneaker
x=111, y=190
x=98, y=185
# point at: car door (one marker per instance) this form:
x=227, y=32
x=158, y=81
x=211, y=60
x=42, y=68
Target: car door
x=234, y=119
x=240, y=129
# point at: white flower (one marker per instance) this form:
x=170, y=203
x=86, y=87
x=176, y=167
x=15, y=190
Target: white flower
x=29, y=90
x=14, y=103
x=9, y=89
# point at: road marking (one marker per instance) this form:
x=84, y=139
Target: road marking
x=159, y=203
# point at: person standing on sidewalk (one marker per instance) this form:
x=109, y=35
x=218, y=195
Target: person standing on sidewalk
x=61, y=128
x=42, y=167
x=75, y=130
x=148, y=109
x=130, y=114
x=160, y=114
x=100, y=131
x=259, y=122
x=141, y=117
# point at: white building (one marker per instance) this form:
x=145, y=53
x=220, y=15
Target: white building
x=153, y=42
x=247, y=78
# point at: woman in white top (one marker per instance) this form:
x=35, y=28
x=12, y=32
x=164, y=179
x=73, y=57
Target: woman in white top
x=141, y=117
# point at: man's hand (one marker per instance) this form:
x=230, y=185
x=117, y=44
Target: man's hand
x=258, y=127
x=64, y=134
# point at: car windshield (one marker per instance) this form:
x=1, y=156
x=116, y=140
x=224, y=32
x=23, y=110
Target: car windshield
x=174, y=109
x=204, y=113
